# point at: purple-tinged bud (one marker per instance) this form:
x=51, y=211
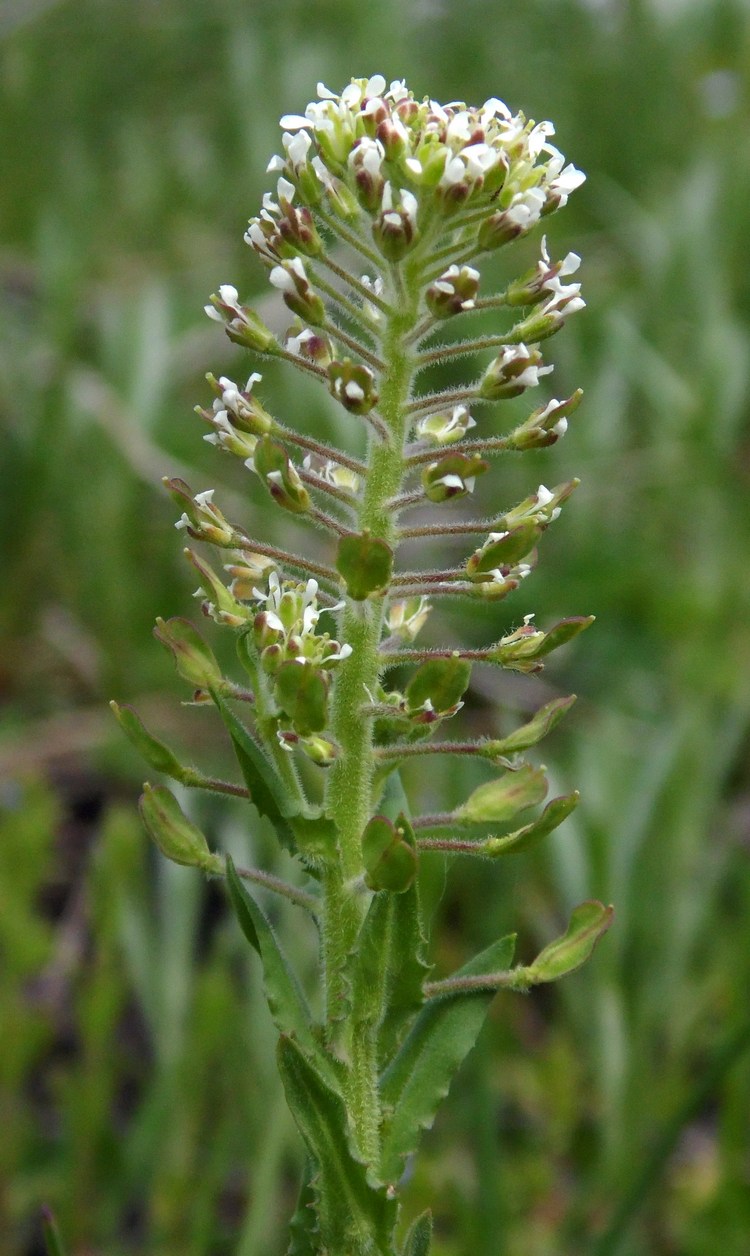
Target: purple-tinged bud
x=268, y=630
x=452, y=476
x=515, y=369
x=241, y=323
x=453, y=292
x=353, y=385
x=175, y=835
x=546, y=425
x=291, y=279
x=271, y=462
x=395, y=229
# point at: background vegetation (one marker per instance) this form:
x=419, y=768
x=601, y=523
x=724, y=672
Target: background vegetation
x=608, y=1117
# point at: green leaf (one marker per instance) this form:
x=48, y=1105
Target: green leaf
x=287, y=1003
x=388, y=968
x=303, y=1227
x=419, y=1236
x=366, y=564
x=52, y=1240
x=301, y=691
x=176, y=836
x=514, y=843
x=195, y=660
x=443, y=682
x=351, y=1211
x=267, y=793
x=442, y=1036
x=587, y=924
x=531, y=734
x=500, y=800
x=157, y=755
x=390, y=859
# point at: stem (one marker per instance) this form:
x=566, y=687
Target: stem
x=350, y=781
x=350, y=237
x=358, y=287
x=494, y=444
x=355, y=345
x=292, y=560
x=435, y=401
x=407, y=749
x=328, y=452
x=317, y=482
x=461, y=349
x=275, y=884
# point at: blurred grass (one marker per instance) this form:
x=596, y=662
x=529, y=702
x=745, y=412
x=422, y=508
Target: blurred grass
x=136, y=1082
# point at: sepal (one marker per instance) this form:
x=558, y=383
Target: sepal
x=274, y=466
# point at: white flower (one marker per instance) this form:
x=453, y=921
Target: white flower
x=525, y=208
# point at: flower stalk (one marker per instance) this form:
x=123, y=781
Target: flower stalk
x=419, y=193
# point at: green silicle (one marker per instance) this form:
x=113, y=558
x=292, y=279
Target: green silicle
x=383, y=209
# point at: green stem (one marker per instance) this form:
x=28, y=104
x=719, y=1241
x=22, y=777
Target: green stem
x=350, y=782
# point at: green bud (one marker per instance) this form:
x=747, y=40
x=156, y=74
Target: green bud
x=389, y=855
x=499, y=801
x=452, y=476
x=503, y=549
x=273, y=465
x=531, y=733
x=195, y=660
x=157, y=755
x=291, y=279
x=219, y=604
x=366, y=564
x=242, y=325
x=587, y=924
x=320, y=750
x=353, y=385
x=175, y=835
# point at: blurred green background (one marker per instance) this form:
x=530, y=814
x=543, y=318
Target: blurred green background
x=610, y=1115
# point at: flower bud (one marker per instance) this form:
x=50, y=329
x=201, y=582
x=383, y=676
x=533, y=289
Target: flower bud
x=271, y=462
x=219, y=604
x=305, y=343
x=291, y=279
x=395, y=228
x=499, y=801
x=175, y=835
x=452, y=476
x=453, y=292
x=515, y=369
x=407, y=617
x=320, y=750
x=195, y=660
x=353, y=385
x=365, y=161
x=444, y=428
x=546, y=425
x=241, y=323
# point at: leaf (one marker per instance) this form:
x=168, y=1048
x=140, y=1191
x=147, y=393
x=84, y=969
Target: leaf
x=303, y=1227
x=419, y=1236
x=443, y=682
x=286, y=1001
x=390, y=861
x=350, y=1210
x=366, y=564
x=267, y=792
x=538, y=726
x=388, y=968
x=500, y=800
x=52, y=1240
x=442, y=1036
x=587, y=924
x=514, y=843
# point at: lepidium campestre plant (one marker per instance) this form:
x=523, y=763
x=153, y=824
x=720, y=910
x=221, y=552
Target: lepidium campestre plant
x=383, y=209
